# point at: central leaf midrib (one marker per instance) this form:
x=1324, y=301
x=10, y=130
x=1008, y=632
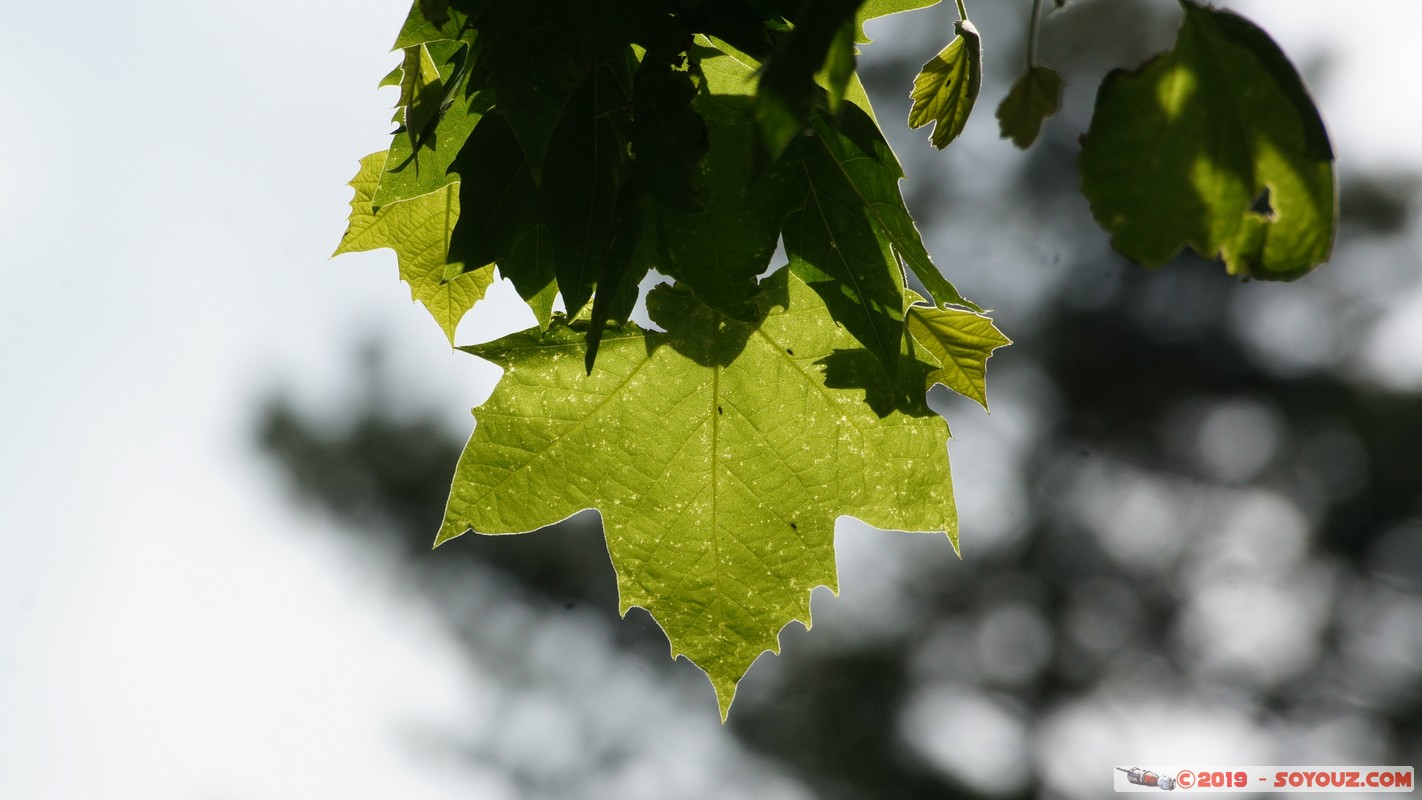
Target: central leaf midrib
x=716, y=413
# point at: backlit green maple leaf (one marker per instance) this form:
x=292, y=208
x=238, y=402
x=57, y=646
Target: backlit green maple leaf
x=719, y=454
x=418, y=231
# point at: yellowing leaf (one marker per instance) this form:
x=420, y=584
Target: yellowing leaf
x=418, y=231
x=1036, y=95
x=961, y=342
x=947, y=86
x=719, y=454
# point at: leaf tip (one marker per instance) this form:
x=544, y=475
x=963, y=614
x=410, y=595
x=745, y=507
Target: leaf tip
x=725, y=694
x=447, y=532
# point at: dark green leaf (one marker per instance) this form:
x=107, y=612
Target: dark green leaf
x=868, y=165
x=668, y=136
x=582, y=173
x=436, y=11
x=1215, y=145
x=534, y=54
x=734, y=22
x=496, y=193
x=529, y=266
x=787, y=94
x=947, y=86
x=622, y=273
x=834, y=247
x=720, y=252
x=839, y=66
x=1036, y=95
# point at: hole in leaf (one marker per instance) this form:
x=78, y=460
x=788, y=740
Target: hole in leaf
x=1261, y=205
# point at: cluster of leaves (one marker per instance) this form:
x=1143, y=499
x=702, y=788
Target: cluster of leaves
x=577, y=145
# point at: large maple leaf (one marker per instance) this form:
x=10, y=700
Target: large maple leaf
x=719, y=453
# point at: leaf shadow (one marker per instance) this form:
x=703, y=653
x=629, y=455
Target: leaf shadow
x=702, y=334
x=861, y=369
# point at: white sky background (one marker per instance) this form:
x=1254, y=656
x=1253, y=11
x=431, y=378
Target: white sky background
x=174, y=182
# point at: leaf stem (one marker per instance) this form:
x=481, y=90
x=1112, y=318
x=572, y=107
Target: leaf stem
x=962, y=11
x=1032, y=33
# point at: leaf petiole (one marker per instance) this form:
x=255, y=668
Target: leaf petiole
x=1032, y=33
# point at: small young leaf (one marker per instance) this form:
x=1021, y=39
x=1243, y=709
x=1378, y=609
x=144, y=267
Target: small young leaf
x=1182, y=151
x=496, y=193
x=1035, y=96
x=418, y=231
x=718, y=459
x=582, y=175
x=961, y=342
x=947, y=86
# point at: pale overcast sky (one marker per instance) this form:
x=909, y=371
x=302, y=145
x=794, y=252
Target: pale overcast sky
x=170, y=628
